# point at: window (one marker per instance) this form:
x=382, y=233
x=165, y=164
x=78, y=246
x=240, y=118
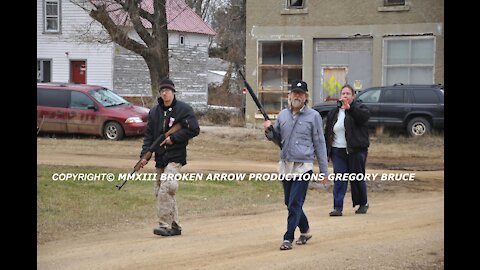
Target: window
x=53, y=98
x=371, y=96
x=44, y=70
x=51, y=16
x=393, y=2
x=295, y=3
x=80, y=101
x=408, y=61
x=280, y=62
x=181, y=40
x=423, y=96
x=393, y=96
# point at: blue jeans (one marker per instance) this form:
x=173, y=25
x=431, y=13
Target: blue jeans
x=351, y=163
x=295, y=193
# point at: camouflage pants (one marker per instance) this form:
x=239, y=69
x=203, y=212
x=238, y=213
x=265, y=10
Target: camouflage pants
x=165, y=191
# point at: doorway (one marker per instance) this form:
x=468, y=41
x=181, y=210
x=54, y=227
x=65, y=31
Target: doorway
x=78, y=70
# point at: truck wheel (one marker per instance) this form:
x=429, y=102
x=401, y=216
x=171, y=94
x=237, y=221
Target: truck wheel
x=113, y=131
x=418, y=126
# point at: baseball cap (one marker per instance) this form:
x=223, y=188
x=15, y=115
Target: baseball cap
x=298, y=85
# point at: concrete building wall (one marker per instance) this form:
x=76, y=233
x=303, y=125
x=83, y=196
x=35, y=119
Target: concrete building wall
x=345, y=12
x=347, y=19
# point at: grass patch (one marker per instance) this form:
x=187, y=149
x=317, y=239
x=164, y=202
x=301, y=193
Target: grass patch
x=431, y=147
x=70, y=206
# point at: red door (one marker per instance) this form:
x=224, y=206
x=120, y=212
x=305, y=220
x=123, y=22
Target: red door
x=78, y=71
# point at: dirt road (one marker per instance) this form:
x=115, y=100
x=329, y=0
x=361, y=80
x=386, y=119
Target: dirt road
x=404, y=228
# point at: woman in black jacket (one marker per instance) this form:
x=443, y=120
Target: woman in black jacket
x=346, y=134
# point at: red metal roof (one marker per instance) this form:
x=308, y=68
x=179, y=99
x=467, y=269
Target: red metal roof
x=180, y=17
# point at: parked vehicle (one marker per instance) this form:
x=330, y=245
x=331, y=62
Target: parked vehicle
x=87, y=109
x=416, y=108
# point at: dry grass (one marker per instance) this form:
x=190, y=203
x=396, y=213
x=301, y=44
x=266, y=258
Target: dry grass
x=70, y=206
x=212, y=118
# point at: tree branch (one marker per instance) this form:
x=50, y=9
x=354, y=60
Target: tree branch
x=132, y=7
x=117, y=34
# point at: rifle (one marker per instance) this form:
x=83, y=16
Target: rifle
x=156, y=146
x=262, y=110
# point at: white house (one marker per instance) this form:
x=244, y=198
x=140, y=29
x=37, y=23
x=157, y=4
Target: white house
x=64, y=56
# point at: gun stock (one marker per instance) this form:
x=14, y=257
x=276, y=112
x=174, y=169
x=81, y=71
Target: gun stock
x=156, y=146
x=260, y=107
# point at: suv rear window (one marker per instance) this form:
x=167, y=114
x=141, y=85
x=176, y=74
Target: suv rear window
x=425, y=96
x=53, y=98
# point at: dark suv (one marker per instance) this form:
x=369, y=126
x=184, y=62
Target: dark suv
x=417, y=108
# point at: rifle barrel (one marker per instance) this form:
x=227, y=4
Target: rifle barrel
x=254, y=97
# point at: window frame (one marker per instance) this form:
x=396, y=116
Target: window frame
x=289, y=4
x=58, y=16
x=181, y=40
x=282, y=90
x=409, y=65
x=390, y=3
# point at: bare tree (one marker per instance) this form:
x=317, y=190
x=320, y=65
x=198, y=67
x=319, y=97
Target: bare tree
x=119, y=17
x=229, y=22
x=204, y=8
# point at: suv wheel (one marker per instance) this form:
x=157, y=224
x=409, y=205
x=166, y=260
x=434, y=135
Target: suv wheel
x=418, y=126
x=113, y=131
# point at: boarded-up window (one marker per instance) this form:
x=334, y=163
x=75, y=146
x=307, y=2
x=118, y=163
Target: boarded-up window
x=333, y=79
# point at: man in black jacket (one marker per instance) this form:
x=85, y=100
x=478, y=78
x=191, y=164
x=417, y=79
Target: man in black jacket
x=346, y=134
x=173, y=156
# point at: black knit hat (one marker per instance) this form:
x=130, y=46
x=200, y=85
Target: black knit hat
x=167, y=83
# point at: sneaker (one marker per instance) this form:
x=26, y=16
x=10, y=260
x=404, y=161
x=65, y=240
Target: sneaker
x=362, y=209
x=335, y=213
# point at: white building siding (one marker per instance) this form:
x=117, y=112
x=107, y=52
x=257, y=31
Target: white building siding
x=190, y=39
x=63, y=47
